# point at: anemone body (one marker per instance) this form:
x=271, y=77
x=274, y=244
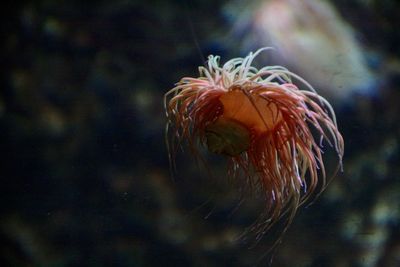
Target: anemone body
x=263, y=123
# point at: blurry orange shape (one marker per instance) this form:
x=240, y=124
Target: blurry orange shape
x=313, y=39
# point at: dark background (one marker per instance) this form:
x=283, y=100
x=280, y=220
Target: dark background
x=85, y=178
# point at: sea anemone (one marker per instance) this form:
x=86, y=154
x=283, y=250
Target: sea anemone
x=263, y=124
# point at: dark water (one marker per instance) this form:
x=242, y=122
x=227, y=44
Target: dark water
x=85, y=174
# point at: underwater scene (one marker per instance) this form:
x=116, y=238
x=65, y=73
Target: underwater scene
x=200, y=133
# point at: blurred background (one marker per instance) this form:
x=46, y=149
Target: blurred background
x=85, y=173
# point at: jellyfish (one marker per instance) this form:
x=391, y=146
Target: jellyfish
x=270, y=130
